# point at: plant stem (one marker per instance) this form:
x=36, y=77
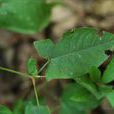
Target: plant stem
x=18, y=73
x=35, y=90
x=13, y=71
x=27, y=76
x=41, y=69
x=24, y=74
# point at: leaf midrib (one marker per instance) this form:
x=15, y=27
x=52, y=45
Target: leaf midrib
x=83, y=49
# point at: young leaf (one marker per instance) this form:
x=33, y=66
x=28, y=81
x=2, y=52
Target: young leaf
x=4, y=110
x=31, y=67
x=108, y=75
x=24, y=16
x=75, y=53
x=95, y=74
x=31, y=109
x=111, y=98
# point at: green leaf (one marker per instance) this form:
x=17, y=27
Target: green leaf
x=95, y=74
x=31, y=109
x=99, y=91
x=78, y=97
x=86, y=82
x=19, y=107
x=111, y=98
x=24, y=16
x=4, y=110
x=66, y=109
x=75, y=53
x=108, y=75
x=31, y=67
x=104, y=90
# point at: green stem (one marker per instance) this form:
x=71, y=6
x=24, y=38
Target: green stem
x=18, y=73
x=24, y=74
x=32, y=78
x=41, y=69
x=35, y=91
x=13, y=71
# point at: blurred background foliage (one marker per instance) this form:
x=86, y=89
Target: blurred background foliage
x=16, y=48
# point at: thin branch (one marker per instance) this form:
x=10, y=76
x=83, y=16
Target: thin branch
x=14, y=72
x=19, y=73
x=35, y=91
x=41, y=69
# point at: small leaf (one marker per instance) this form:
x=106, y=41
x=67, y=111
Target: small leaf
x=75, y=53
x=31, y=109
x=95, y=74
x=4, y=110
x=108, y=75
x=31, y=67
x=111, y=98
x=24, y=16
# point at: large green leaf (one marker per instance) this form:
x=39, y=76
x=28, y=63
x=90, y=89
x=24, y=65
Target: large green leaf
x=4, y=110
x=75, y=53
x=31, y=109
x=24, y=16
x=108, y=75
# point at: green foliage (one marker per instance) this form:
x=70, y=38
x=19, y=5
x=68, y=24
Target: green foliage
x=111, y=98
x=87, y=83
x=99, y=90
x=75, y=53
x=24, y=16
x=4, y=110
x=95, y=74
x=31, y=67
x=76, y=56
x=67, y=109
x=19, y=107
x=104, y=90
x=31, y=109
x=108, y=75
x=78, y=97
